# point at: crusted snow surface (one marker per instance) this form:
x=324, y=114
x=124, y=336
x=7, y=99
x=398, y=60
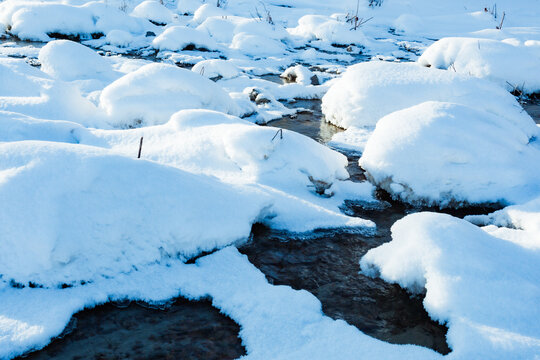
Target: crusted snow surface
x=483, y=287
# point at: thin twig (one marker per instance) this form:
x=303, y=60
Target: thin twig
x=140, y=148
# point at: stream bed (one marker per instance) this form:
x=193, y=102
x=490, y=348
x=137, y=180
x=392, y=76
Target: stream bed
x=324, y=263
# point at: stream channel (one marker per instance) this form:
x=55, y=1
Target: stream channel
x=324, y=263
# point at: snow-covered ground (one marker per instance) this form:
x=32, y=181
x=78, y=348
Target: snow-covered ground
x=86, y=85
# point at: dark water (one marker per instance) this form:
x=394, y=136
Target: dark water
x=532, y=107
x=184, y=330
x=326, y=264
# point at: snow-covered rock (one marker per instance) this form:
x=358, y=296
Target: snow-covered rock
x=511, y=65
x=328, y=29
x=34, y=20
x=68, y=60
x=178, y=37
x=154, y=11
x=368, y=91
x=151, y=94
x=483, y=287
x=301, y=75
x=215, y=68
x=446, y=154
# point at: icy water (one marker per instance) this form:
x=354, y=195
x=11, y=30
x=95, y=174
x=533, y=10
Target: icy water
x=326, y=264
x=182, y=330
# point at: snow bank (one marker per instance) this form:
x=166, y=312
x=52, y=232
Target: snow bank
x=512, y=65
x=189, y=213
x=25, y=89
x=178, y=38
x=293, y=169
x=68, y=60
x=442, y=153
x=517, y=223
x=368, y=91
x=483, y=287
x=328, y=29
x=300, y=75
x=33, y=20
x=188, y=7
x=267, y=314
x=216, y=68
x=18, y=127
x=154, y=11
x=151, y=94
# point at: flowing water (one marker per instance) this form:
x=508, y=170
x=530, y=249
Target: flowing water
x=324, y=263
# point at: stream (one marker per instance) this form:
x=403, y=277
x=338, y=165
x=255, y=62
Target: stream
x=324, y=263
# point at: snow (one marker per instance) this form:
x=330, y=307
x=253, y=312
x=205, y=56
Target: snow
x=179, y=37
x=267, y=314
x=189, y=213
x=153, y=11
x=216, y=68
x=483, y=287
x=368, y=91
x=27, y=90
x=509, y=64
x=72, y=115
x=328, y=29
x=517, y=223
x=151, y=94
x=301, y=75
x=68, y=60
x=443, y=154
x=33, y=20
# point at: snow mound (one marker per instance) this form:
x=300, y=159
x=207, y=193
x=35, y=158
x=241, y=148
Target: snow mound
x=328, y=29
x=512, y=65
x=176, y=38
x=216, y=68
x=483, y=287
x=301, y=75
x=68, y=60
x=257, y=45
x=151, y=94
x=25, y=89
x=447, y=154
x=190, y=213
x=188, y=7
x=154, y=11
x=267, y=314
x=207, y=10
x=18, y=127
x=368, y=91
x=34, y=20
x=306, y=180
x=517, y=223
